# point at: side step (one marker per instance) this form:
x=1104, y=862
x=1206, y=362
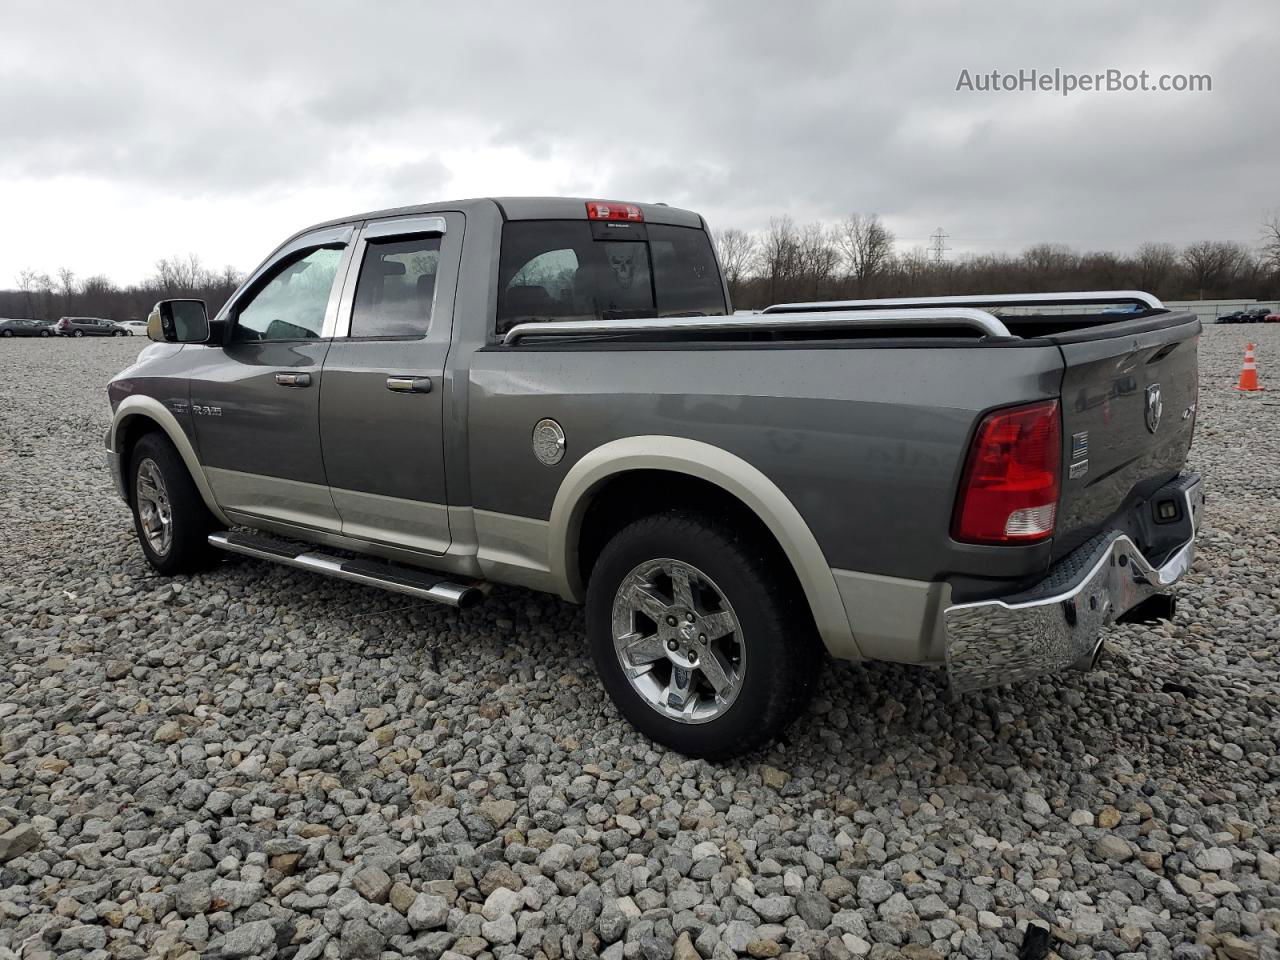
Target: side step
x=375, y=573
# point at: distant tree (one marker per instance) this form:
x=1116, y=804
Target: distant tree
x=866, y=245
x=817, y=259
x=736, y=250
x=1271, y=242
x=178, y=274
x=1049, y=266
x=778, y=258
x=67, y=287
x=29, y=284
x=1157, y=265
x=1212, y=265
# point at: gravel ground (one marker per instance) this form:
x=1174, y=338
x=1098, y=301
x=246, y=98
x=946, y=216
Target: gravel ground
x=262, y=762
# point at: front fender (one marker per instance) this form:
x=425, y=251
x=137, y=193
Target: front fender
x=151, y=409
x=733, y=475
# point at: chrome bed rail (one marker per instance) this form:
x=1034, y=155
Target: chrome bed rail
x=981, y=321
x=1083, y=298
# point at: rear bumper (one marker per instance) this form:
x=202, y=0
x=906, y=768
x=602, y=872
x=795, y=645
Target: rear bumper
x=1059, y=621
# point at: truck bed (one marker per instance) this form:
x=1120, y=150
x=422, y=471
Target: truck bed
x=863, y=412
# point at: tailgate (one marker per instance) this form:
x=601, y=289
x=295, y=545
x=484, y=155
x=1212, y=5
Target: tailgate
x=1129, y=395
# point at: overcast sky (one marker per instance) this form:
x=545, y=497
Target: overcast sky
x=133, y=131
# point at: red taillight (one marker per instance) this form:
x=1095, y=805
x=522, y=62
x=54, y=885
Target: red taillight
x=1009, y=493
x=614, y=211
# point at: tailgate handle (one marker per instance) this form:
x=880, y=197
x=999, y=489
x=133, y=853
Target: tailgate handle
x=409, y=384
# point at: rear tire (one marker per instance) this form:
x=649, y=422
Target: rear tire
x=686, y=685
x=169, y=516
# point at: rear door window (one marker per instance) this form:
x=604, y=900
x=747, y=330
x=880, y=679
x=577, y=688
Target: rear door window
x=588, y=270
x=396, y=288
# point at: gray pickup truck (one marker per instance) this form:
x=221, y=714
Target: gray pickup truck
x=555, y=393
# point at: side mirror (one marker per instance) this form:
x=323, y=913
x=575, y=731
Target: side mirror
x=179, y=321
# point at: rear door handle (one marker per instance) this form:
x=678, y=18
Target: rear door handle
x=293, y=379
x=409, y=384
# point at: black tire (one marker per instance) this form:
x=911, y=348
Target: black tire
x=191, y=522
x=782, y=653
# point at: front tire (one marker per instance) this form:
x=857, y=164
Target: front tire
x=700, y=635
x=169, y=517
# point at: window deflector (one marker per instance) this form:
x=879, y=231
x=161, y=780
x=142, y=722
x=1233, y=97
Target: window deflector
x=377, y=230
x=326, y=237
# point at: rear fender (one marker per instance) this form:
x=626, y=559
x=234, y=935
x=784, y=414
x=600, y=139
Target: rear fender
x=727, y=471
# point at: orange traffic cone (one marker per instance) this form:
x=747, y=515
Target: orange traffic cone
x=1249, y=372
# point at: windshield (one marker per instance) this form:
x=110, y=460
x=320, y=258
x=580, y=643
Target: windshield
x=588, y=270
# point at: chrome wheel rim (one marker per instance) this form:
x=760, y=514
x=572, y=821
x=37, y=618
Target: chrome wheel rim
x=154, y=510
x=678, y=641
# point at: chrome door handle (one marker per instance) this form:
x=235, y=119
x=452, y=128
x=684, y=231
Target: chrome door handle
x=409, y=384
x=293, y=379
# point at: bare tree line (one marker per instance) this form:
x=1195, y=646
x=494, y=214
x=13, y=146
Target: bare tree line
x=44, y=297
x=855, y=257
x=858, y=257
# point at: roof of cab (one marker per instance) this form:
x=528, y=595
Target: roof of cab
x=528, y=208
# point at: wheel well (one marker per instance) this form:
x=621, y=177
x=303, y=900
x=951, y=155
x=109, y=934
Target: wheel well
x=131, y=430
x=624, y=498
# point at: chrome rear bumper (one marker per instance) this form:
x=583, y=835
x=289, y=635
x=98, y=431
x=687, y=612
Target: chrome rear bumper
x=1059, y=622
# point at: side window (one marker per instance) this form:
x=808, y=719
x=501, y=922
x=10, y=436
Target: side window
x=290, y=304
x=396, y=287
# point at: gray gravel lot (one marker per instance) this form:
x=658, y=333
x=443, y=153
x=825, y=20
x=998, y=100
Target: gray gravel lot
x=262, y=762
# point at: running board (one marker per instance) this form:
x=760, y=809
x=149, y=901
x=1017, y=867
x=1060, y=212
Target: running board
x=374, y=573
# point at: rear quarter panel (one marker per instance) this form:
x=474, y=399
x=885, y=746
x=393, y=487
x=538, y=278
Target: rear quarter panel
x=866, y=441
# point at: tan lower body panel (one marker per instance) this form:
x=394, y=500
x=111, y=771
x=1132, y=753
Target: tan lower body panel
x=895, y=619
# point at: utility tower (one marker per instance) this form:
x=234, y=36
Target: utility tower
x=938, y=248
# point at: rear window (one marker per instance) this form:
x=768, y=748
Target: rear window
x=590, y=270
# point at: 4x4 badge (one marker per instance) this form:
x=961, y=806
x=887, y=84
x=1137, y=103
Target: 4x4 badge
x=1154, y=407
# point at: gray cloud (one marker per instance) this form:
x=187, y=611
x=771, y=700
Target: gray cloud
x=742, y=111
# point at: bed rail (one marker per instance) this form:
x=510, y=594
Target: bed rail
x=978, y=300
x=981, y=321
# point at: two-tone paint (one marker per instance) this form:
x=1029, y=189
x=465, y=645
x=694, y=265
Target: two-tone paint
x=849, y=452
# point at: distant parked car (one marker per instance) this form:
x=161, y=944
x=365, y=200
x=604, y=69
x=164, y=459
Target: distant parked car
x=90, y=327
x=135, y=327
x=26, y=328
